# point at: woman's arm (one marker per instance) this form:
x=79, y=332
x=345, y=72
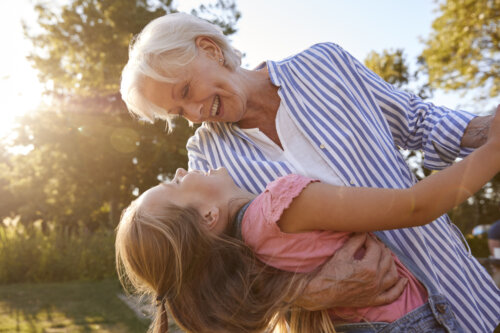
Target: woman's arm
x=325, y=207
x=414, y=123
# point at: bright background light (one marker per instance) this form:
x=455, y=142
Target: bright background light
x=20, y=90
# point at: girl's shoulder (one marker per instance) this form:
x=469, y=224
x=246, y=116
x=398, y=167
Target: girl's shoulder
x=280, y=193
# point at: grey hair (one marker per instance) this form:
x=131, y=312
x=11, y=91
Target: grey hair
x=163, y=47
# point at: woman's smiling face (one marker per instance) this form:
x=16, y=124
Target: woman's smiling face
x=205, y=89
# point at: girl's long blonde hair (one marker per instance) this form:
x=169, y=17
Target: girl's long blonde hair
x=209, y=283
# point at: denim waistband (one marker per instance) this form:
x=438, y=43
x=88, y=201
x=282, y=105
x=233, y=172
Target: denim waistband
x=434, y=316
x=439, y=306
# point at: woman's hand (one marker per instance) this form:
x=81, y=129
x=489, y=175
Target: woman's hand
x=347, y=282
x=478, y=131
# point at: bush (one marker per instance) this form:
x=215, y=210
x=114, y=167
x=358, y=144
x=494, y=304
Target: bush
x=29, y=255
x=478, y=246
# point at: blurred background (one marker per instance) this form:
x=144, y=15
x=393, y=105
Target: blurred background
x=71, y=157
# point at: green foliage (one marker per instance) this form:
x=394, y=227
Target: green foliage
x=482, y=208
x=478, y=246
x=390, y=65
x=30, y=254
x=393, y=67
x=84, y=44
x=84, y=166
x=223, y=13
x=463, y=50
x=88, y=156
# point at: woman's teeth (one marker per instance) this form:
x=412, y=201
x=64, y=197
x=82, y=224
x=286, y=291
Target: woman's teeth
x=215, y=106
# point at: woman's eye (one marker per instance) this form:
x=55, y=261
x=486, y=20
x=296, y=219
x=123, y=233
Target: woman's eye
x=185, y=91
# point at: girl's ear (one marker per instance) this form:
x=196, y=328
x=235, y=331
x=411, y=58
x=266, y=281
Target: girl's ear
x=211, y=217
x=207, y=45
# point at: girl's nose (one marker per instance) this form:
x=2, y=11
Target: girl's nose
x=180, y=172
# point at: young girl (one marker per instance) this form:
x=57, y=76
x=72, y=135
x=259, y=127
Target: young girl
x=180, y=242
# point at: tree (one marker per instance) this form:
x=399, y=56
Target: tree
x=390, y=65
x=463, y=53
x=393, y=68
x=83, y=45
x=84, y=167
x=463, y=50
x=483, y=207
x=88, y=155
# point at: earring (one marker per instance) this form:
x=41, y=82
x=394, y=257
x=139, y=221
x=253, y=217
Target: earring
x=221, y=60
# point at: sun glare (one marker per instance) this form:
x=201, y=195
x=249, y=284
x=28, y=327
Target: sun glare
x=20, y=94
x=20, y=90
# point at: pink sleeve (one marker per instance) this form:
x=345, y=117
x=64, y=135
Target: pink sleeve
x=281, y=193
x=295, y=252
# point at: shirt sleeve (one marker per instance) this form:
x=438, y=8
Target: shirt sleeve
x=281, y=193
x=295, y=252
x=196, y=158
x=414, y=124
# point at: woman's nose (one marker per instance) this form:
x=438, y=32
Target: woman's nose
x=194, y=112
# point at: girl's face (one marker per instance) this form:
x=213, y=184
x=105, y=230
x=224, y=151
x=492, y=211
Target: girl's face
x=209, y=193
x=205, y=91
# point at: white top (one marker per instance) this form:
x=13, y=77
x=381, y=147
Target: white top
x=297, y=149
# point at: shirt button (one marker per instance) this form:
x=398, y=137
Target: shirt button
x=322, y=146
x=352, y=182
x=441, y=308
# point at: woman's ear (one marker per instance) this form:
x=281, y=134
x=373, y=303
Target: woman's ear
x=211, y=217
x=207, y=45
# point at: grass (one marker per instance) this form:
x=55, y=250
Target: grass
x=69, y=307
x=29, y=254
x=66, y=307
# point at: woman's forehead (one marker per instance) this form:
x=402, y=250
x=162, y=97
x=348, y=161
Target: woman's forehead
x=160, y=93
x=150, y=85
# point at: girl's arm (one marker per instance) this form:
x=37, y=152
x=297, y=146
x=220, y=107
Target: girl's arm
x=326, y=207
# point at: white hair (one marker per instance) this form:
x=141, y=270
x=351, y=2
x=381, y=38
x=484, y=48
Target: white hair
x=164, y=46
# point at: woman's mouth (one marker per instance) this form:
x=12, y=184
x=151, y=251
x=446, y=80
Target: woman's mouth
x=215, y=110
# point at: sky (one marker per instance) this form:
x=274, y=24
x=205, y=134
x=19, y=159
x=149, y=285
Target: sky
x=268, y=30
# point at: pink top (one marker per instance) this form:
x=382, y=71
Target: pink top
x=303, y=252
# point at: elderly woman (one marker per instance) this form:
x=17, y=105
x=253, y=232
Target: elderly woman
x=321, y=114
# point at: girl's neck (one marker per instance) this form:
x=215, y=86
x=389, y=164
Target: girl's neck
x=235, y=205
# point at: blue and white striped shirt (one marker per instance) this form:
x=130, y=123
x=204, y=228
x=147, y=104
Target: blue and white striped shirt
x=355, y=121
